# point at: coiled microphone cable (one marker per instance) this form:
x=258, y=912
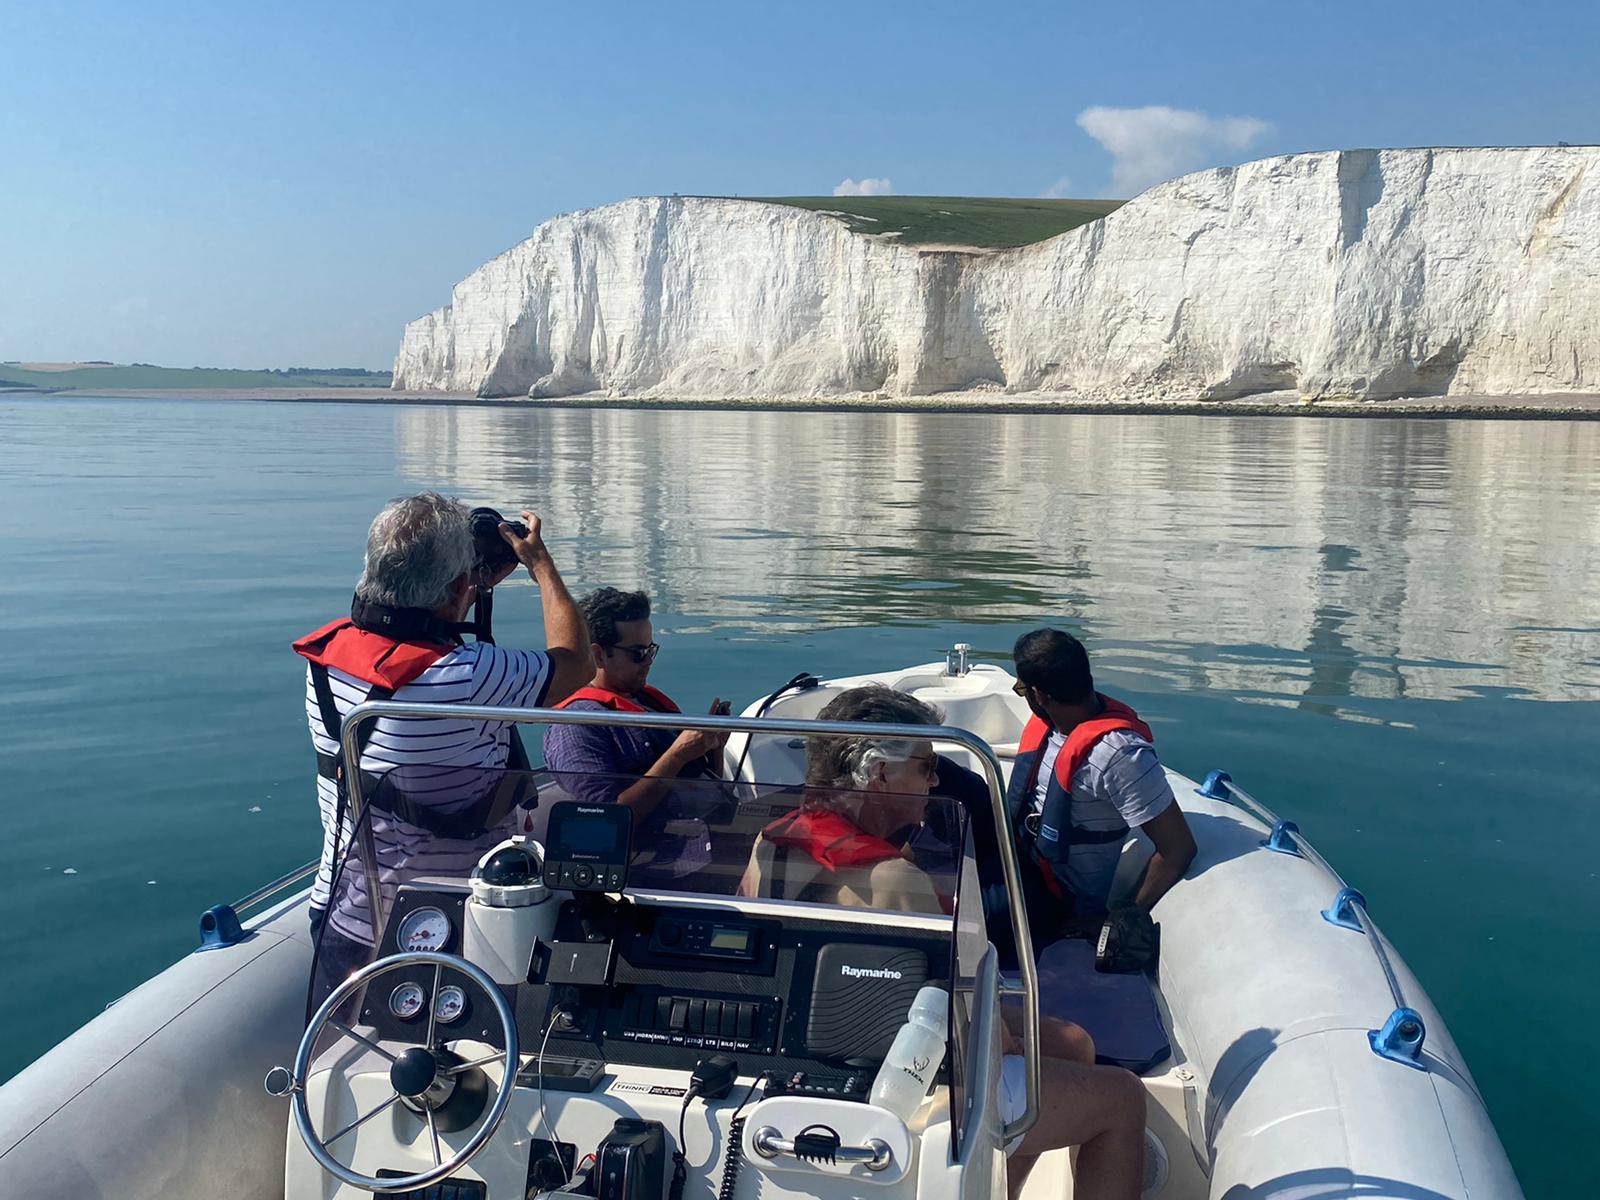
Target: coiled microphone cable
x=733, y=1156
x=713, y=1079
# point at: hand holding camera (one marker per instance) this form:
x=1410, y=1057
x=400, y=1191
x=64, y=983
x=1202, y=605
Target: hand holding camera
x=502, y=544
x=719, y=708
x=704, y=743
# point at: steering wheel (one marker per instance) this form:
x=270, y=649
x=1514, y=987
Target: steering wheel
x=423, y=1077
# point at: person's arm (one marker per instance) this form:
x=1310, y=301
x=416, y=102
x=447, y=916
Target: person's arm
x=653, y=785
x=1174, y=843
x=566, y=638
x=1134, y=781
x=585, y=759
x=717, y=742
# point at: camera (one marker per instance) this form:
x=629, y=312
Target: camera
x=631, y=1164
x=1128, y=942
x=493, y=550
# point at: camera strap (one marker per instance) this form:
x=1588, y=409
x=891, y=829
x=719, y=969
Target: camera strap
x=483, y=615
x=407, y=624
x=332, y=766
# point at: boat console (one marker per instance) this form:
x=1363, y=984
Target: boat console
x=518, y=994
x=663, y=981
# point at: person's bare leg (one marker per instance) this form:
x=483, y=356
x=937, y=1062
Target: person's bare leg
x=1101, y=1110
x=1057, y=1038
x=1065, y=1041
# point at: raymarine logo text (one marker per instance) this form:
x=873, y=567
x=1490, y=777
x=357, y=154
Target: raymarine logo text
x=868, y=972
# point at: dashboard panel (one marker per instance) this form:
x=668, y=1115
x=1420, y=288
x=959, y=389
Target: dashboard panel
x=810, y=1001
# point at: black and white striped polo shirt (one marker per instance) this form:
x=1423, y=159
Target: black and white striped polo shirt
x=472, y=674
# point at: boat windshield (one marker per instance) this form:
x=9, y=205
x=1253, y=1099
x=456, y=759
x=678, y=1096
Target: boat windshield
x=429, y=826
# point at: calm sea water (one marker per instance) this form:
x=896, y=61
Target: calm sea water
x=1388, y=630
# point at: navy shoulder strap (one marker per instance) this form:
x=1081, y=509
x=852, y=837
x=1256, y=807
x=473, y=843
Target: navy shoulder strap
x=329, y=766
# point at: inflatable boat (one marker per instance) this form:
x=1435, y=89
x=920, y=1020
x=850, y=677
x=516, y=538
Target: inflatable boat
x=511, y=997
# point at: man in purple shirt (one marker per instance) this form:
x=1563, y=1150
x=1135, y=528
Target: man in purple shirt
x=602, y=764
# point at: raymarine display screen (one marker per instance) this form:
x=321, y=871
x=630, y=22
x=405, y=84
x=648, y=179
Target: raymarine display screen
x=589, y=833
x=580, y=839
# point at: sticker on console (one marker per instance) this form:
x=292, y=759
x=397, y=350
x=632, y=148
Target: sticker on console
x=653, y=1089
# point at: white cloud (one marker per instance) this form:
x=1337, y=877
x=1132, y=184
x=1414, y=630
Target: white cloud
x=1061, y=189
x=864, y=187
x=1156, y=143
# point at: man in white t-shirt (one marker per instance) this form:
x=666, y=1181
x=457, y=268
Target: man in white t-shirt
x=420, y=579
x=1086, y=773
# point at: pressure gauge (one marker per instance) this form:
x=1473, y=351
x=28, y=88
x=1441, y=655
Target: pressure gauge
x=450, y=1005
x=406, y=1001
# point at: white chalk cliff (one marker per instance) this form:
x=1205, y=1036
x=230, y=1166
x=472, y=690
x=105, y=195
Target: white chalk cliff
x=1370, y=273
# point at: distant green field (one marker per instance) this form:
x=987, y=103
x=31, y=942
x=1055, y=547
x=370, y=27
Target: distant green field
x=85, y=377
x=958, y=220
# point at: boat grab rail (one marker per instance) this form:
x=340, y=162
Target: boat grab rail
x=1401, y=1036
x=1026, y=989
x=220, y=925
x=281, y=884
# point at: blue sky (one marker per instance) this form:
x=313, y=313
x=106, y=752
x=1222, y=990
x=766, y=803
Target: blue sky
x=286, y=184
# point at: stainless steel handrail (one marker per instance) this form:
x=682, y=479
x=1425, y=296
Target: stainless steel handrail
x=279, y=884
x=1028, y=991
x=875, y=1155
x=1356, y=908
x=1247, y=801
x=1359, y=912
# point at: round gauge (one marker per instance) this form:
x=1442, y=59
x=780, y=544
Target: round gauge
x=424, y=929
x=449, y=1005
x=406, y=1000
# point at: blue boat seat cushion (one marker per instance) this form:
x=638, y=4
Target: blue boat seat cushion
x=1118, y=1011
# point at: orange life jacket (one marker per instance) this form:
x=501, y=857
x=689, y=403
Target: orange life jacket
x=385, y=663
x=831, y=839
x=658, y=701
x=370, y=657
x=1049, y=840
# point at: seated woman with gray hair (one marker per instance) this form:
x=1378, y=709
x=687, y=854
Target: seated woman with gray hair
x=849, y=841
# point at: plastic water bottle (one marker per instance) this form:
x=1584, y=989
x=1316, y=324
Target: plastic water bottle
x=914, y=1058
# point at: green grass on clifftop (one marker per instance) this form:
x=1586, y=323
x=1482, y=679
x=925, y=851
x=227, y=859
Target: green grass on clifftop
x=81, y=377
x=990, y=222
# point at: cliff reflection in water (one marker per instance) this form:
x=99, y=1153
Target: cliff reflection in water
x=1287, y=561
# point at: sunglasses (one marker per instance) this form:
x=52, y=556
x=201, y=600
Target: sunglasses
x=640, y=654
x=928, y=762
x=1020, y=689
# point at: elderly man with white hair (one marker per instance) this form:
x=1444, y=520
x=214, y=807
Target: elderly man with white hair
x=846, y=842
x=403, y=641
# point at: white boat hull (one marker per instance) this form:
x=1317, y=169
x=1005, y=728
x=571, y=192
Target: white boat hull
x=1273, y=1088
x=160, y=1095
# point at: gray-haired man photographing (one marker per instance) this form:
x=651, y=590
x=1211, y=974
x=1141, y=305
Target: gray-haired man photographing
x=403, y=640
